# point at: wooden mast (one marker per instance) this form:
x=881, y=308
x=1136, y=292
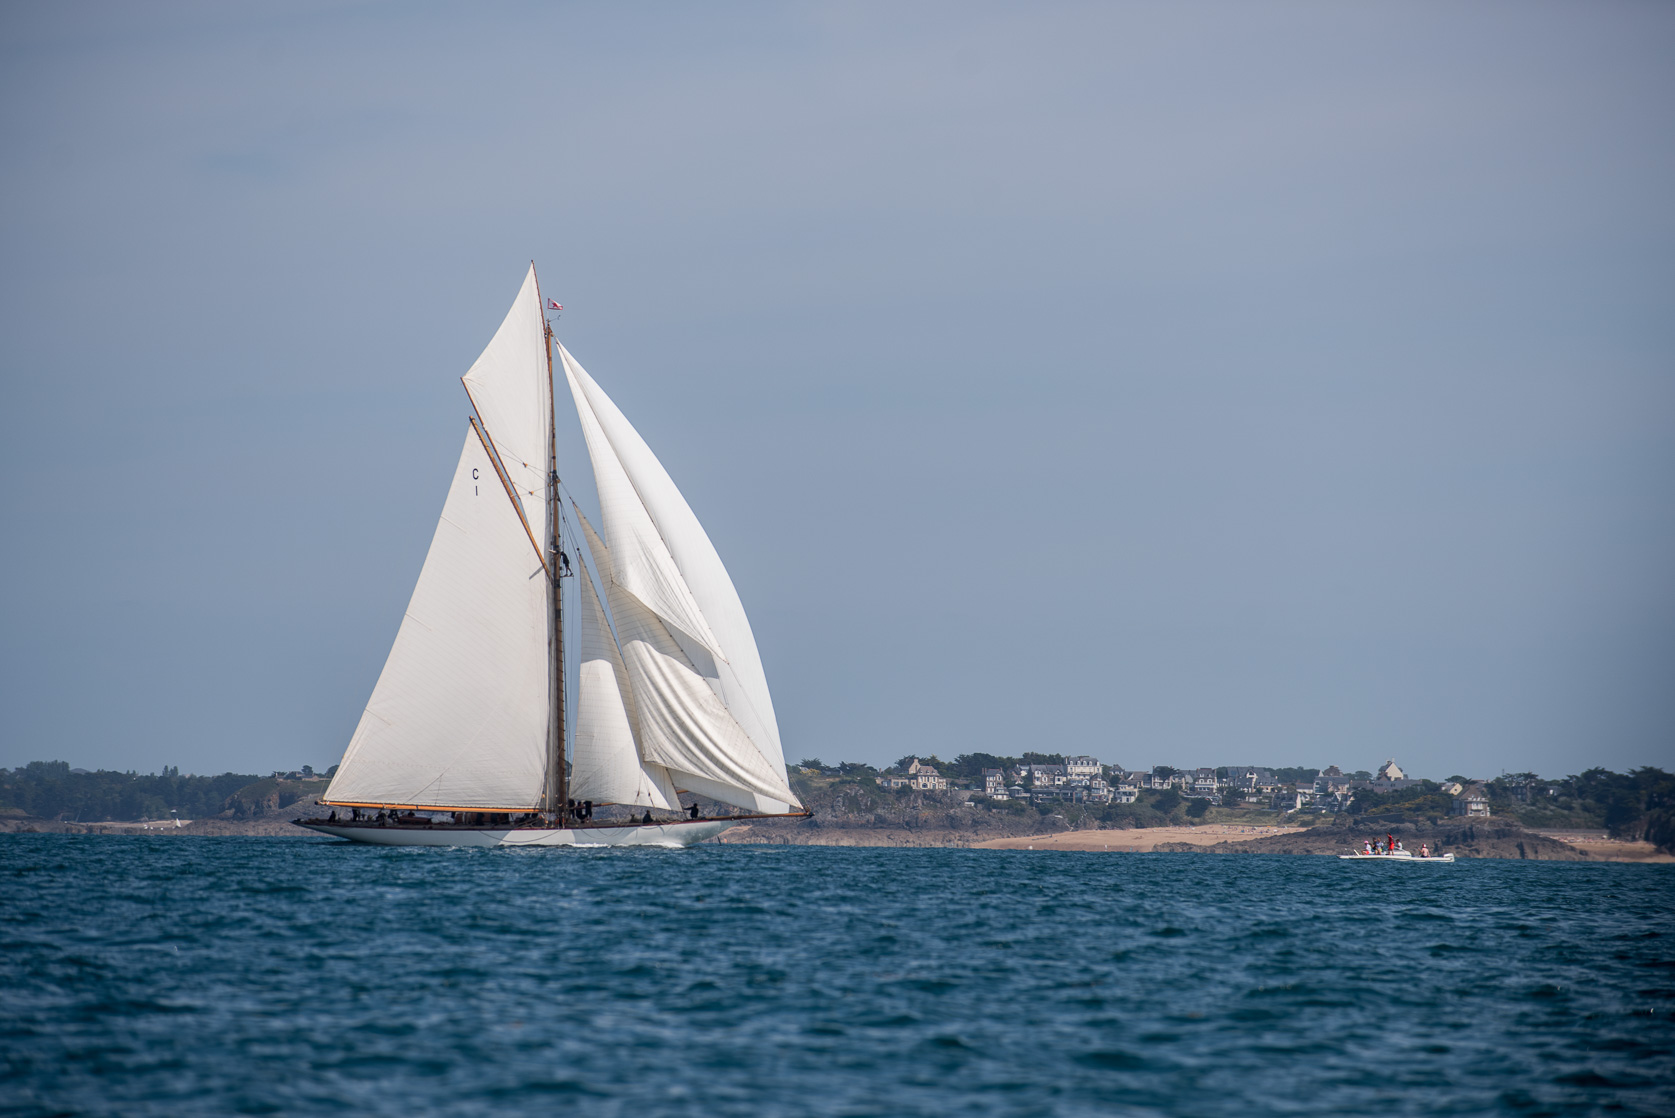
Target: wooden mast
x=557, y=784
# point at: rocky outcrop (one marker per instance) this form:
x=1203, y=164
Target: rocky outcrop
x=273, y=799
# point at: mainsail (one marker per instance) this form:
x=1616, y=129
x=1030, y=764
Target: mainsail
x=459, y=715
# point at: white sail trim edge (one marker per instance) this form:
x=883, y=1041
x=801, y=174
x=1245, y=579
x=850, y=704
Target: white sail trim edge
x=459, y=715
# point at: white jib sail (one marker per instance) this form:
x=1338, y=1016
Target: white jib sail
x=605, y=764
x=459, y=715
x=509, y=386
x=737, y=674
x=680, y=689
x=639, y=561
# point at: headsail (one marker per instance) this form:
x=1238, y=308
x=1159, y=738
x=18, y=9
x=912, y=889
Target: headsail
x=697, y=678
x=605, y=763
x=459, y=715
x=640, y=561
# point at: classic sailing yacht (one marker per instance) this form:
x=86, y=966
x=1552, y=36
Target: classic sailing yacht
x=467, y=721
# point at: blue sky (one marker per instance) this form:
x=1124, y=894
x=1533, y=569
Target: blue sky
x=1177, y=383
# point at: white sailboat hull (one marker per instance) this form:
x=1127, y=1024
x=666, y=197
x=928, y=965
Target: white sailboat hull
x=669, y=835
x=1400, y=856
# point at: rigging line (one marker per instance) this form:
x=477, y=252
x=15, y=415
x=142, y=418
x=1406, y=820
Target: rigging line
x=517, y=505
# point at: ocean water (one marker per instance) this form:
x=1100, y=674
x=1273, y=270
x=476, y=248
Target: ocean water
x=177, y=976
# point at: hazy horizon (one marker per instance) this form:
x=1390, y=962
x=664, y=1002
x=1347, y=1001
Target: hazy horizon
x=1166, y=383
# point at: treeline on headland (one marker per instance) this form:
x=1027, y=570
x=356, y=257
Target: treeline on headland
x=52, y=790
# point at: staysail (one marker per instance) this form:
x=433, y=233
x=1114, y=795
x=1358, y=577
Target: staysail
x=696, y=676
x=458, y=718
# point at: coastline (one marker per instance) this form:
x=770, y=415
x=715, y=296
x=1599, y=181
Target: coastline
x=1475, y=841
x=1136, y=841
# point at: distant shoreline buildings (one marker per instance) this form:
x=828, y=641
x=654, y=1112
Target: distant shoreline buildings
x=1083, y=779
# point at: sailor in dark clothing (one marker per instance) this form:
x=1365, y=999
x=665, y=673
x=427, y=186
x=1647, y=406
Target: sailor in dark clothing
x=693, y=810
x=647, y=819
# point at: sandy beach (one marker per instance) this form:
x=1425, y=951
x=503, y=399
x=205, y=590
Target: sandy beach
x=1138, y=841
x=1614, y=850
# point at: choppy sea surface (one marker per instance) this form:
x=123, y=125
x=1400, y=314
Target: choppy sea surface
x=175, y=976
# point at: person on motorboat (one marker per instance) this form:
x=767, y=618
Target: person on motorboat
x=1424, y=850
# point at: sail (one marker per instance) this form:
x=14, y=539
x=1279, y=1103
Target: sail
x=696, y=716
x=684, y=726
x=722, y=784
x=640, y=562
x=510, y=387
x=459, y=716
x=605, y=764
x=737, y=673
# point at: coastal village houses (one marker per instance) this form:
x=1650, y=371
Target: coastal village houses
x=1083, y=779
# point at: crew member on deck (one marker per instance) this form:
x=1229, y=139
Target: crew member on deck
x=693, y=810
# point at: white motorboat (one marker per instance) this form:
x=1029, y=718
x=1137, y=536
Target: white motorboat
x=1396, y=856
x=467, y=739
